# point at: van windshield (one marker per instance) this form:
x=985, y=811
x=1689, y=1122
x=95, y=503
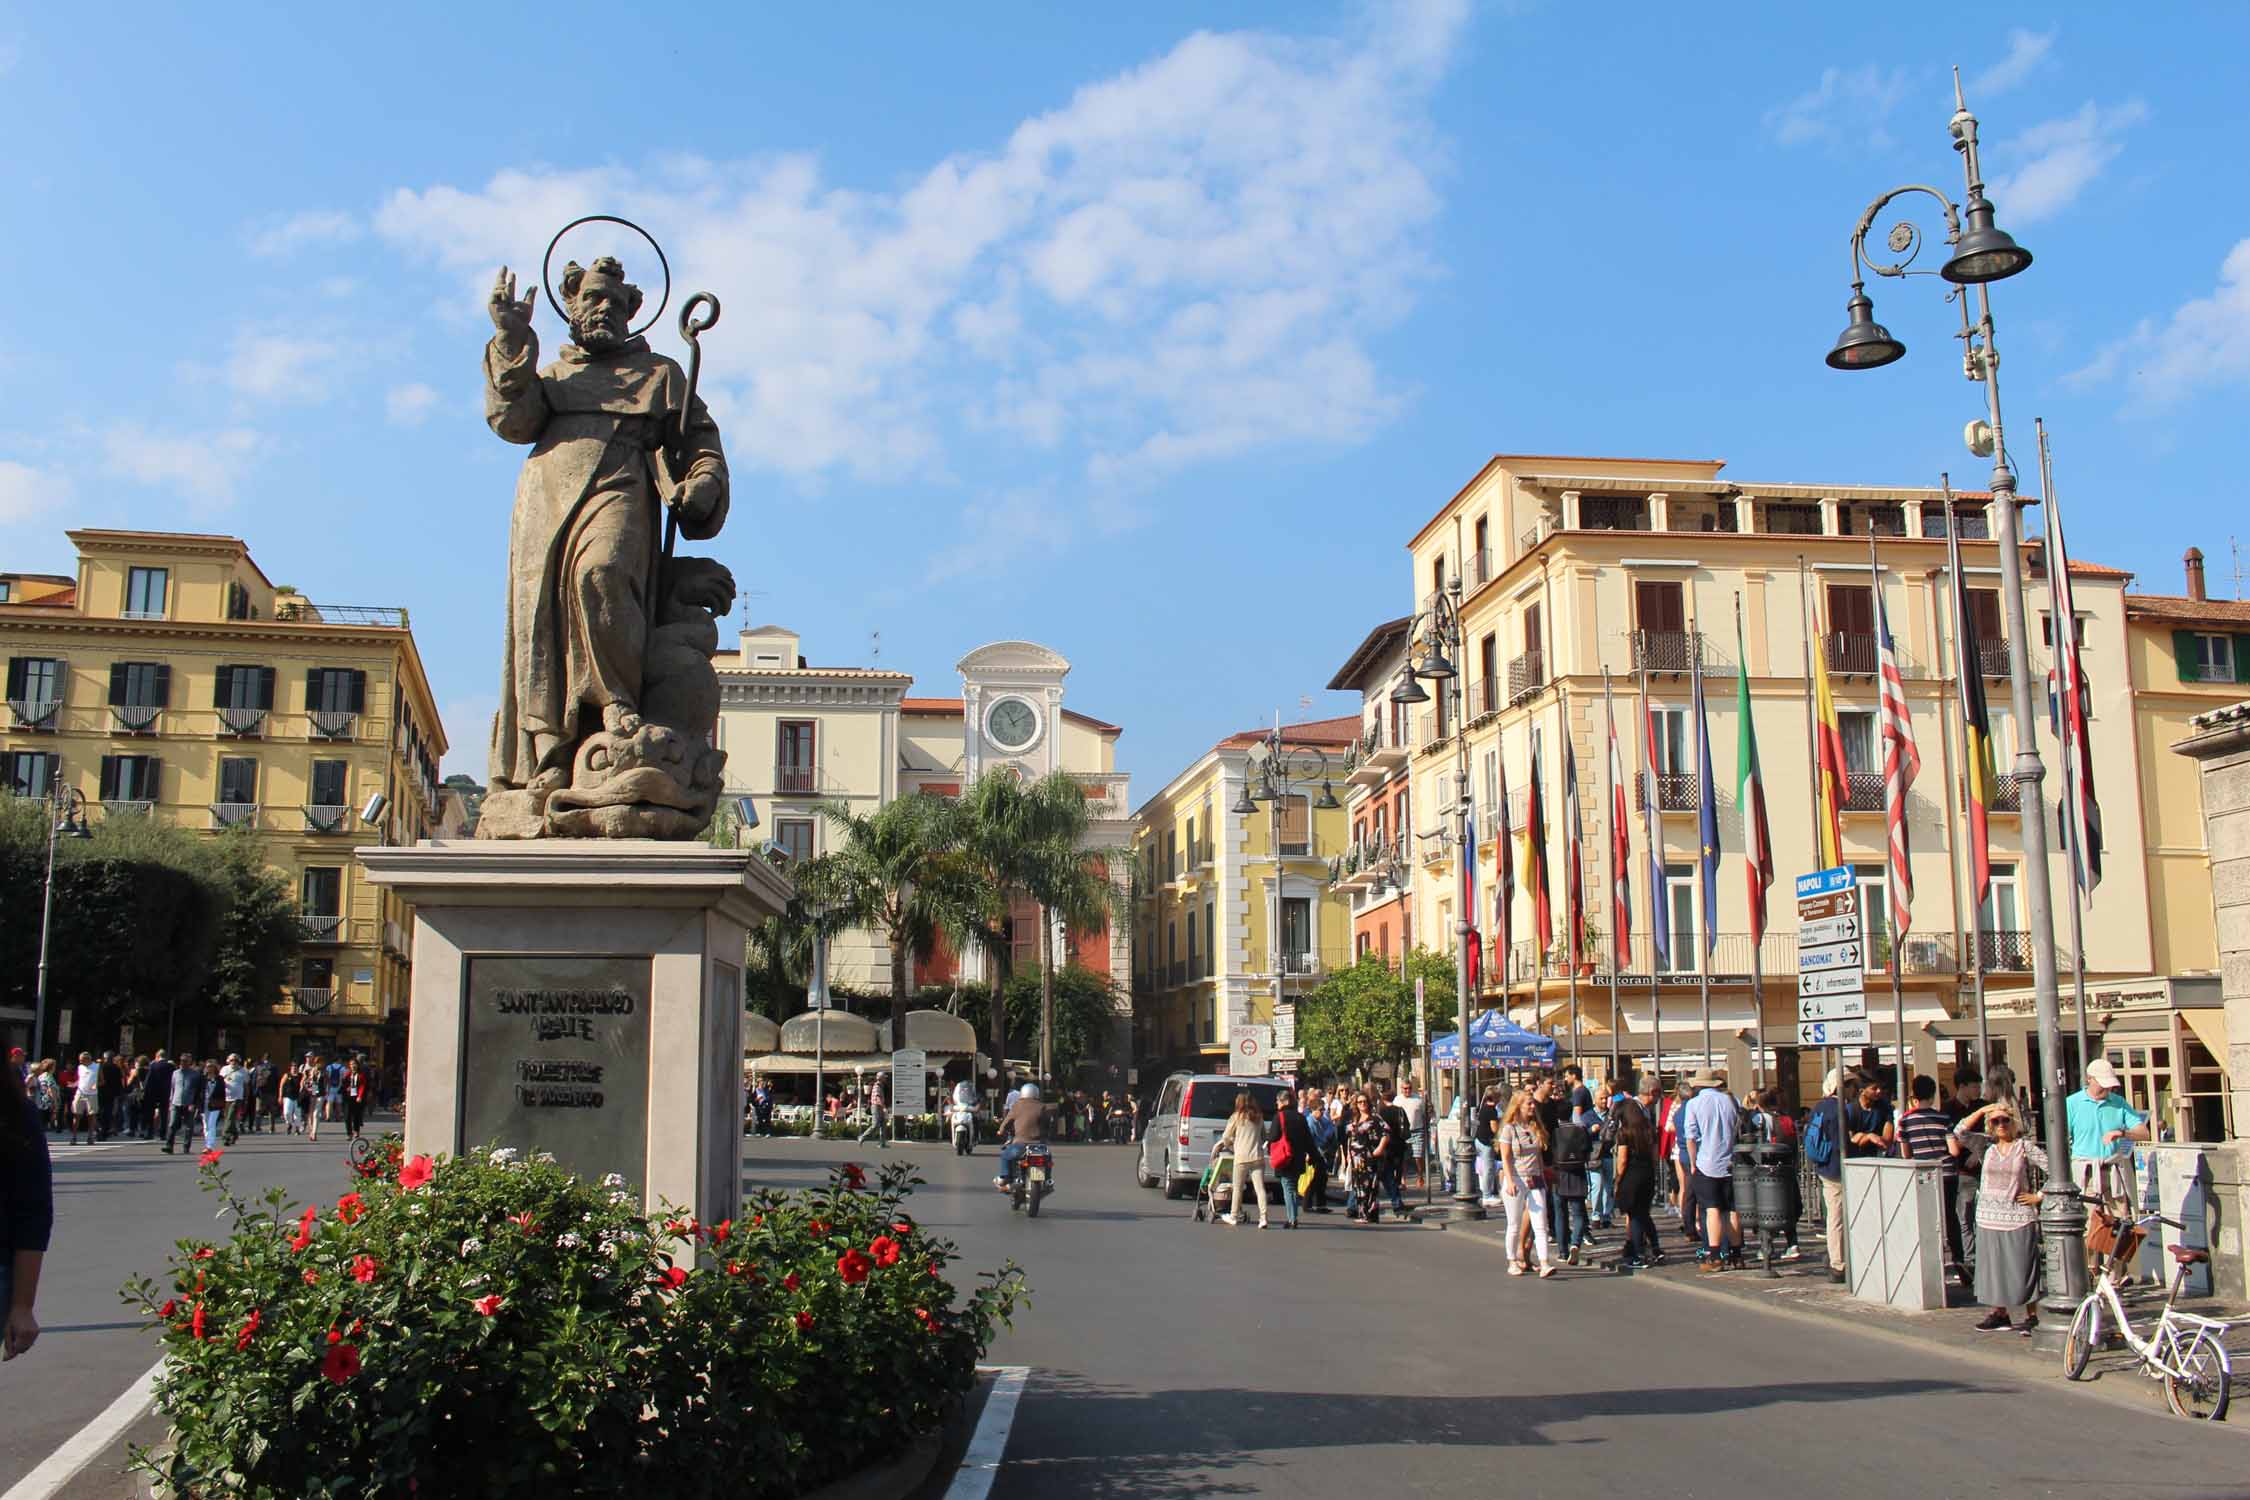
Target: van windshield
x=1215, y=1101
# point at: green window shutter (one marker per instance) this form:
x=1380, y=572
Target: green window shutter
x=2242, y=658
x=359, y=692
x=313, y=704
x=2183, y=652
x=223, y=680
x=117, y=682
x=265, y=688
x=110, y=765
x=163, y=693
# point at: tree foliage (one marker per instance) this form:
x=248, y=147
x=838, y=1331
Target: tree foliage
x=1086, y=1006
x=1364, y=1015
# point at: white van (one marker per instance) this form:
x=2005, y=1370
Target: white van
x=1190, y=1112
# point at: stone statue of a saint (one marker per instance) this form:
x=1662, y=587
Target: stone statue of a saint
x=608, y=701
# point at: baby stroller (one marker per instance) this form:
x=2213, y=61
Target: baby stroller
x=1214, y=1191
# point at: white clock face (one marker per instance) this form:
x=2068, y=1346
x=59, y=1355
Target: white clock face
x=1012, y=724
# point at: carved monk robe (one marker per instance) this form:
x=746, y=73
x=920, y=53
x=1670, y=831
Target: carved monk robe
x=583, y=548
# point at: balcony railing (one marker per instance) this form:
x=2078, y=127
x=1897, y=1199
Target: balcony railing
x=128, y=806
x=1484, y=697
x=1850, y=652
x=1673, y=793
x=1296, y=964
x=1433, y=729
x=233, y=814
x=1863, y=791
x=323, y=927
x=327, y=725
x=313, y=1002
x=1480, y=568
x=1667, y=650
x=788, y=778
x=1785, y=519
x=1531, y=538
x=326, y=817
x=36, y=713
x=2004, y=952
x=1527, y=674
x=2007, y=794
x=1992, y=657
x=1731, y=956
x=136, y=718
x=242, y=723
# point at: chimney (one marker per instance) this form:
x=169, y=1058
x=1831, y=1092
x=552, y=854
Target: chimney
x=2194, y=560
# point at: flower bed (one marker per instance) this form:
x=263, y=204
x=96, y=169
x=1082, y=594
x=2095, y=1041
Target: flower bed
x=492, y=1326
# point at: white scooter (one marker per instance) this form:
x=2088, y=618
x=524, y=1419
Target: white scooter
x=964, y=1129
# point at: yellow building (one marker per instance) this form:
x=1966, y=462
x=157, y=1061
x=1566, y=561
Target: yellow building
x=1205, y=961
x=169, y=677
x=1573, y=567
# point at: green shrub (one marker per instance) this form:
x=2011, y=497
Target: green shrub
x=491, y=1326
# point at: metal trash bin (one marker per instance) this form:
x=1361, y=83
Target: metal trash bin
x=1762, y=1171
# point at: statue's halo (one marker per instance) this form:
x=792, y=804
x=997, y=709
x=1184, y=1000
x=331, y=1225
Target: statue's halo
x=547, y=266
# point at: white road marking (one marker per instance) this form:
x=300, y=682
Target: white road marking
x=973, y=1481
x=90, y=1442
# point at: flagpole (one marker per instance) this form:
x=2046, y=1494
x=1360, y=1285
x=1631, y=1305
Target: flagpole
x=1976, y=914
x=1574, y=879
x=1612, y=802
x=1750, y=855
x=1652, y=794
x=1704, y=793
x=1898, y=990
x=2073, y=835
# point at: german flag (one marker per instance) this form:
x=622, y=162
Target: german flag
x=1978, y=778
x=1832, y=778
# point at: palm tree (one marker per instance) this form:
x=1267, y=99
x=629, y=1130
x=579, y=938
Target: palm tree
x=899, y=871
x=1026, y=838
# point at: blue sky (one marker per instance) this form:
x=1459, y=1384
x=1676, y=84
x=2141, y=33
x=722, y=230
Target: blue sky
x=1147, y=332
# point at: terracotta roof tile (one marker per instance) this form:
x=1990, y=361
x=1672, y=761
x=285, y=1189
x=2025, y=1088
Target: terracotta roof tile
x=2179, y=607
x=1340, y=731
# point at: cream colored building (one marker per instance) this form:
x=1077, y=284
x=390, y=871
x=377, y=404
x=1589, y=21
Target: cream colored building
x=1573, y=567
x=798, y=736
x=1206, y=959
x=167, y=676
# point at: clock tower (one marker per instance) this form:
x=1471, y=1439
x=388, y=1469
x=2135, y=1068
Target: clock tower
x=1011, y=701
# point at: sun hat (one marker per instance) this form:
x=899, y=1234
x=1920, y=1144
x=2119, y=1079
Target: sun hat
x=1709, y=1078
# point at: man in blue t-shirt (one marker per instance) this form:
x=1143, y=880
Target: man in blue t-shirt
x=1710, y=1123
x=2101, y=1123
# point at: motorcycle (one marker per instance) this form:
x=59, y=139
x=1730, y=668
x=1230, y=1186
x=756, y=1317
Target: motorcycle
x=964, y=1130
x=1034, y=1175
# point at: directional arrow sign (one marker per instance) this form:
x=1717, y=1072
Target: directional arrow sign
x=1834, y=1033
x=1851, y=1007
x=1829, y=956
x=1823, y=930
x=1824, y=882
x=1829, y=982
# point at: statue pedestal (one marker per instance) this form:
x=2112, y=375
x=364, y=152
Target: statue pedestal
x=583, y=997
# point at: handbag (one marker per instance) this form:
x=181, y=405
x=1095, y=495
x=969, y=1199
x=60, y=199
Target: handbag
x=1277, y=1153
x=1305, y=1181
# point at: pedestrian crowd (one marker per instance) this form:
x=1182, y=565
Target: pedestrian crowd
x=174, y=1101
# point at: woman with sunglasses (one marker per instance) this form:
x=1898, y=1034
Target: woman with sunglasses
x=2007, y=1273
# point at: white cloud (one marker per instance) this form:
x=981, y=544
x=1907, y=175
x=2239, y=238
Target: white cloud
x=408, y=405
x=2026, y=50
x=300, y=231
x=1848, y=106
x=2055, y=161
x=1184, y=261
x=206, y=466
x=280, y=367
x=27, y=493
x=2206, y=343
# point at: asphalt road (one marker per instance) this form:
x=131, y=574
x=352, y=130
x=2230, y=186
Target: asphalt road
x=118, y=1209
x=1170, y=1358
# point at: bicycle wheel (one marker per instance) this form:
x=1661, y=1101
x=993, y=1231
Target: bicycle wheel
x=2198, y=1385
x=2085, y=1333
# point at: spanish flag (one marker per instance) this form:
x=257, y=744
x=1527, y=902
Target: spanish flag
x=1978, y=778
x=1535, y=853
x=1831, y=777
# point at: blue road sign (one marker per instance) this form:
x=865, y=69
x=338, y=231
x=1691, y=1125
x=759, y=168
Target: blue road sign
x=1825, y=882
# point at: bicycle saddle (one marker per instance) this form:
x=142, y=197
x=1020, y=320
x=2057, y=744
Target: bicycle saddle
x=2186, y=1256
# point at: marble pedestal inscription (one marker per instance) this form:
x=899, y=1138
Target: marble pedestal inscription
x=558, y=1049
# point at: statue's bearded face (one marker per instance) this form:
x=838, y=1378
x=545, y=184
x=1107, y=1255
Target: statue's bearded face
x=601, y=313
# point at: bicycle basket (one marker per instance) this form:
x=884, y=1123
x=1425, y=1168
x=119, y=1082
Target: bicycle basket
x=2114, y=1236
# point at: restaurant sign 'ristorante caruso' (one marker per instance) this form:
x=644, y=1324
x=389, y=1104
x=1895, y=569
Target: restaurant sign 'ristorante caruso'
x=566, y=1041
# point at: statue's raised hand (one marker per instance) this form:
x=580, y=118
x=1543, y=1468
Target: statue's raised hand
x=511, y=317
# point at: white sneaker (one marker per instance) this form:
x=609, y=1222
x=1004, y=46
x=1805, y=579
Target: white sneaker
x=1229, y=1219
x=1791, y=1252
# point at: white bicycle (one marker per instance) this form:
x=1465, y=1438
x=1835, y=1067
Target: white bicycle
x=2188, y=1353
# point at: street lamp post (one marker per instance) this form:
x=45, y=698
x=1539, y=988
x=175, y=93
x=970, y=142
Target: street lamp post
x=66, y=815
x=1437, y=630
x=1287, y=771
x=1982, y=254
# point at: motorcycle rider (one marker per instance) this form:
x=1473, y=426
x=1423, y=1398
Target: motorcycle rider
x=1026, y=1123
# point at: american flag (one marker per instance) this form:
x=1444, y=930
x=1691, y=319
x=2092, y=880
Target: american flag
x=1902, y=762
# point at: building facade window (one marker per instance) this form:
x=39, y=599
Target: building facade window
x=1296, y=825
x=35, y=685
x=30, y=773
x=796, y=755
x=1296, y=926
x=328, y=783
x=238, y=781
x=129, y=778
x=1874, y=913
x=795, y=836
x=335, y=690
x=1858, y=728
x=321, y=891
x=1679, y=918
x=146, y=592
x=144, y=685
x=2214, y=658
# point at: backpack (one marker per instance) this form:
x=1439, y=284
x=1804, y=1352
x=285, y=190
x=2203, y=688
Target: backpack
x=1820, y=1140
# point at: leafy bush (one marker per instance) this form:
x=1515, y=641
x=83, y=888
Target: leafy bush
x=492, y=1326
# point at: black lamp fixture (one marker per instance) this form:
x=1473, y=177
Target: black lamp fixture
x=1864, y=344
x=1327, y=802
x=1984, y=253
x=1408, y=689
x=1242, y=805
x=1434, y=665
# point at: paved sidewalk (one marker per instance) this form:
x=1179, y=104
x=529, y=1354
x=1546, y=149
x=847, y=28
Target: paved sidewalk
x=1803, y=1288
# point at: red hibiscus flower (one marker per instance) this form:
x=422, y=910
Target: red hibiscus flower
x=209, y=1158
x=885, y=1251
x=249, y=1331
x=365, y=1268
x=350, y=1207
x=670, y=1278
x=902, y=1226
x=416, y=1173
x=790, y=1282
x=304, y=1230
x=171, y=1306
x=855, y=1176
x=721, y=1230
x=203, y=1254
x=675, y=1226
x=734, y=1268
x=804, y=1322
x=818, y=1229
x=927, y=1321
x=853, y=1266
x=334, y=1337
x=195, y=1324
x=488, y=1305
x=341, y=1362
x=312, y=1278
x=933, y=1270
x=524, y=1222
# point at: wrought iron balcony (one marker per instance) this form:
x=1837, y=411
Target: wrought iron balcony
x=1527, y=674
x=2004, y=952
x=1849, y=652
x=326, y=817
x=1484, y=697
x=1479, y=568
x=1992, y=657
x=313, y=1002
x=1300, y=964
x=234, y=814
x=37, y=713
x=325, y=725
x=1667, y=650
x=1674, y=793
x=128, y=806
x=323, y=927
x=788, y=778
x=242, y=723
x=136, y=718
x=1863, y=791
x=2007, y=794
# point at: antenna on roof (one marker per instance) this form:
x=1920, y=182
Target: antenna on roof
x=875, y=648
x=2235, y=546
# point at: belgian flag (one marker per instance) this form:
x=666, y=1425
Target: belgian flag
x=1979, y=779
